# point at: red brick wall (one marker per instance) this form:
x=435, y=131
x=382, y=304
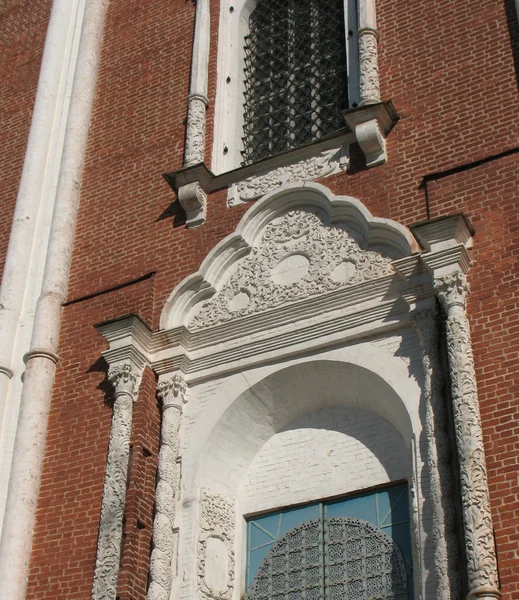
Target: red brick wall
x=23, y=25
x=449, y=69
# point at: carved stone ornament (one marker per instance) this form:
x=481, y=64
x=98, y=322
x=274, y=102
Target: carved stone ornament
x=125, y=382
x=368, y=62
x=195, y=132
x=326, y=163
x=215, y=554
x=172, y=395
x=297, y=257
x=479, y=537
x=446, y=551
x=452, y=290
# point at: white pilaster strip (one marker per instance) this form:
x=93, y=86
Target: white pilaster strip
x=29, y=237
x=29, y=447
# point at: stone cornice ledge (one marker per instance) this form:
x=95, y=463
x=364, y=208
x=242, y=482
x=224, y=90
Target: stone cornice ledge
x=129, y=338
x=446, y=241
x=321, y=321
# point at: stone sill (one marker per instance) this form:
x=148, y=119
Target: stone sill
x=368, y=125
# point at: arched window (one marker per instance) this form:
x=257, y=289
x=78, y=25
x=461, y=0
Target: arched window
x=295, y=75
x=353, y=549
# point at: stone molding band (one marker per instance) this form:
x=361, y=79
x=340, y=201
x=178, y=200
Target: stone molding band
x=125, y=381
x=41, y=353
x=172, y=395
x=482, y=571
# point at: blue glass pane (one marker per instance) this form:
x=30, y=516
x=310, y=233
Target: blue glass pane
x=256, y=557
x=363, y=507
x=292, y=518
x=269, y=523
x=258, y=537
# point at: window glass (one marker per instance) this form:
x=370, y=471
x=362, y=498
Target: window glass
x=385, y=511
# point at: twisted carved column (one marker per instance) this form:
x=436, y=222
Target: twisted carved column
x=125, y=381
x=479, y=538
x=446, y=551
x=368, y=63
x=172, y=395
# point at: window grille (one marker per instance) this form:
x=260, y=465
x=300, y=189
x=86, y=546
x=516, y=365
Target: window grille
x=334, y=559
x=295, y=75
x=355, y=548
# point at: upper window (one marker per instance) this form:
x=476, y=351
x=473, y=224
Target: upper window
x=355, y=549
x=295, y=75
x=286, y=69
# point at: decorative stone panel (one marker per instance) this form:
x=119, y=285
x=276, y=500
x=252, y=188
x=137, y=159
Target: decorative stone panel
x=215, y=555
x=297, y=257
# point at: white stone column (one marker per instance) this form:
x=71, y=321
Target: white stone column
x=483, y=579
x=446, y=550
x=125, y=378
x=172, y=395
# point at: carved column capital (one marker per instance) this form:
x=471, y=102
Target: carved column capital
x=424, y=322
x=125, y=380
x=172, y=392
x=452, y=290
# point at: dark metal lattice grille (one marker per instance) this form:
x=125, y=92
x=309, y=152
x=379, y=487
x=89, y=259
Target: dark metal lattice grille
x=334, y=559
x=295, y=75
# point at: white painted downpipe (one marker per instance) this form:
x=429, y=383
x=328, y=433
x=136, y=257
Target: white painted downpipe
x=24, y=483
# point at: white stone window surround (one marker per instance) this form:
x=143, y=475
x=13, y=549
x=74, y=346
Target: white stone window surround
x=228, y=127
x=248, y=372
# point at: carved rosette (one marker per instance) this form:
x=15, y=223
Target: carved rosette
x=171, y=393
x=125, y=382
x=215, y=554
x=195, y=130
x=368, y=63
x=310, y=169
x=297, y=257
x=446, y=551
x=479, y=537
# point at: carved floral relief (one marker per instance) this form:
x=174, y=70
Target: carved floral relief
x=298, y=257
x=215, y=556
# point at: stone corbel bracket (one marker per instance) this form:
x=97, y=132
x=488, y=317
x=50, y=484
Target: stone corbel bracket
x=193, y=200
x=371, y=124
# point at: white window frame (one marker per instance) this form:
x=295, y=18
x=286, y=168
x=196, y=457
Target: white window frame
x=228, y=124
